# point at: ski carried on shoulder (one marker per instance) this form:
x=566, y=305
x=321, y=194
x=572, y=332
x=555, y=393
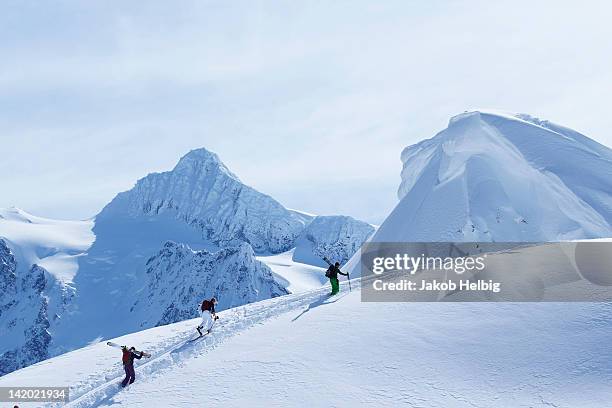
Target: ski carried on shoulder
x=111, y=344
x=348, y=276
x=115, y=345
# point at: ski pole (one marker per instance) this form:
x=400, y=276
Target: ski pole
x=348, y=276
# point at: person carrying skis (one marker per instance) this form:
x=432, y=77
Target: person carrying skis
x=332, y=273
x=128, y=364
x=208, y=315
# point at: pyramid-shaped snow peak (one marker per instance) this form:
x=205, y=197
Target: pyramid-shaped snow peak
x=204, y=194
x=500, y=177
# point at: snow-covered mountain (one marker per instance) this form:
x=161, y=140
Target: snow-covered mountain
x=199, y=204
x=204, y=194
x=336, y=237
x=132, y=272
x=497, y=177
x=117, y=272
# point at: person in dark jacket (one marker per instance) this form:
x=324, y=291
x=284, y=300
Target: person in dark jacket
x=207, y=309
x=332, y=273
x=128, y=364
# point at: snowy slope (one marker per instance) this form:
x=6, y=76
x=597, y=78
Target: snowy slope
x=498, y=177
x=306, y=350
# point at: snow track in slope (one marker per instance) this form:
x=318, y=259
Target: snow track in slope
x=231, y=322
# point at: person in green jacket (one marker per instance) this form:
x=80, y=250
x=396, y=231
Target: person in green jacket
x=332, y=273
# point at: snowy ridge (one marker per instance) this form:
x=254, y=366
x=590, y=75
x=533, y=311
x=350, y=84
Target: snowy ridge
x=494, y=177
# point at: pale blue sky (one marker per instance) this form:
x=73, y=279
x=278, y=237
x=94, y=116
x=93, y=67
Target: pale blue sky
x=310, y=102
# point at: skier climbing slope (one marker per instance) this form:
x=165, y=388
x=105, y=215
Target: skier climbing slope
x=332, y=273
x=209, y=315
x=127, y=358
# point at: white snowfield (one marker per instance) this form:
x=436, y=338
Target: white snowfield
x=308, y=350
x=55, y=245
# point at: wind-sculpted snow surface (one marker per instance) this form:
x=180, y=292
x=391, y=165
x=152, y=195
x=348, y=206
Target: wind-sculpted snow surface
x=336, y=237
x=497, y=177
x=178, y=279
x=201, y=192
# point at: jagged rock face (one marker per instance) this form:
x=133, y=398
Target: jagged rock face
x=23, y=314
x=8, y=279
x=203, y=193
x=178, y=279
x=335, y=237
x=36, y=347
